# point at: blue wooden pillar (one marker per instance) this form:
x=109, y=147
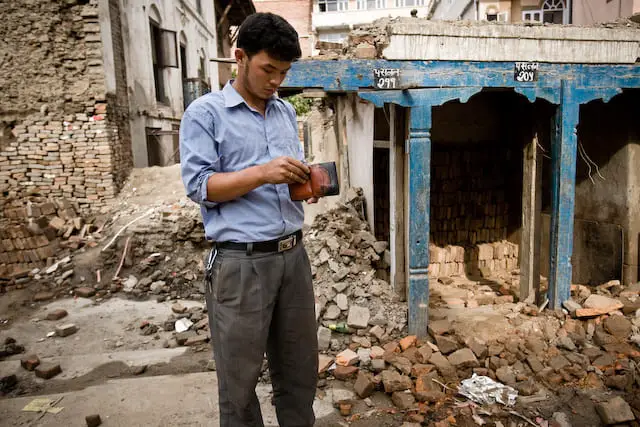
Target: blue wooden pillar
x=564, y=151
x=419, y=187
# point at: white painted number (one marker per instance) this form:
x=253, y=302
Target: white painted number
x=525, y=76
x=386, y=83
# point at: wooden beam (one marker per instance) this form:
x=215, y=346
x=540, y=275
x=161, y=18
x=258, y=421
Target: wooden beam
x=564, y=151
x=223, y=18
x=419, y=212
x=396, y=200
x=531, y=221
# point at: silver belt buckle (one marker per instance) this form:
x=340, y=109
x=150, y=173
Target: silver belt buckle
x=286, y=244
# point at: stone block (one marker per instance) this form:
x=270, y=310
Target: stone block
x=47, y=370
x=615, y=411
x=66, y=330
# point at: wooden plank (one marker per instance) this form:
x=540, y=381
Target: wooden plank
x=355, y=74
x=531, y=221
x=396, y=200
x=419, y=212
x=564, y=151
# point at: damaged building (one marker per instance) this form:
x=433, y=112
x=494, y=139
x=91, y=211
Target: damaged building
x=91, y=89
x=487, y=149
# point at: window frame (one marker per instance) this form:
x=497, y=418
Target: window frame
x=378, y=4
x=341, y=5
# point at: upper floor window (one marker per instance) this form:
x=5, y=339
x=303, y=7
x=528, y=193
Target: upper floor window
x=408, y=3
x=552, y=12
x=332, y=5
x=372, y=4
x=332, y=37
x=199, y=6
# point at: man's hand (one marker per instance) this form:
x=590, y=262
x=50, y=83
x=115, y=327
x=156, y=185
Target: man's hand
x=285, y=170
x=312, y=200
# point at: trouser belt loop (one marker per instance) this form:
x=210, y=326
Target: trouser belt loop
x=249, y=249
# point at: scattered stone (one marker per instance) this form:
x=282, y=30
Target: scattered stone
x=182, y=337
x=364, y=354
x=445, y=344
x=196, y=340
x=30, y=362
x=597, y=305
x=402, y=364
x=48, y=370
x=364, y=386
x=478, y=347
x=66, y=330
x=408, y=341
x=345, y=372
x=424, y=354
x=618, y=326
x=571, y=306
x=559, y=362
x=341, y=301
x=561, y=419
x=93, y=420
x=56, y=314
x=393, y=381
x=84, y=292
x=377, y=352
x=358, y=317
x=345, y=408
x=403, y=400
x=378, y=365
x=332, y=312
x=324, y=363
x=506, y=375
x=440, y=327
x=615, y=411
x=211, y=365
x=377, y=331
x=324, y=338
x=420, y=369
x=463, y=358
x=566, y=343
x=535, y=364
x=43, y=296
x=178, y=308
x=347, y=358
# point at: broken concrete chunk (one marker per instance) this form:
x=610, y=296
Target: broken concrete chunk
x=615, y=411
x=364, y=386
x=403, y=400
x=66, y=330
x=571, y=306
x=393, y=381
x=463, y=358
x=178, y=308
x=332, y=312
x=358, y=317
x=347, y=358
x=342, y=302
x=408, y=341
x=324, y=363
x=324, y=338
x=618, y=326
x=446, y=345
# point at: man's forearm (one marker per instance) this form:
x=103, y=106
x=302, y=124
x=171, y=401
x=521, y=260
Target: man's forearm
x=225, y=186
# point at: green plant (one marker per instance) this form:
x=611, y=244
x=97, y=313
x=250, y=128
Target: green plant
x=301, y=104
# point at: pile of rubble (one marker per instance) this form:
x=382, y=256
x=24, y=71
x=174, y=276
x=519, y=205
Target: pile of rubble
x=594, y=347
x=345, y=258
x=36, y=231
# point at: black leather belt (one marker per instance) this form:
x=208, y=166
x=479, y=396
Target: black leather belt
x=277, y=245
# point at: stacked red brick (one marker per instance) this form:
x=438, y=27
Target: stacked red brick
x=30, y=232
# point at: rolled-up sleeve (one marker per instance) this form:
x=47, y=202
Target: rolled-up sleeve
x=199, y=157
x=294, y=120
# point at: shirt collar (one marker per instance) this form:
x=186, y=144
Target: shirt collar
x=232, y=98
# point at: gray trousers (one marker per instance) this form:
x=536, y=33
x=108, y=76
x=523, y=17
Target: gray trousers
x=260, y=303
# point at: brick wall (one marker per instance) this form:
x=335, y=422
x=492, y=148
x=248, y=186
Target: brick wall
x=63, y=139
x=297, y=12
x=468, y=203
x=63, y=136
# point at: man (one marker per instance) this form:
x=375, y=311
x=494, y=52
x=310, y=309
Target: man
x=239, y=150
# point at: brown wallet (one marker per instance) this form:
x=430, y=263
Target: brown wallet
x=323, y=181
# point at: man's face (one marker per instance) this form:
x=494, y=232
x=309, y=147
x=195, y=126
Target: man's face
x=261, y=74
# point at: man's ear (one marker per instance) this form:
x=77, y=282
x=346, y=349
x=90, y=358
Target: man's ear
x=241, y=56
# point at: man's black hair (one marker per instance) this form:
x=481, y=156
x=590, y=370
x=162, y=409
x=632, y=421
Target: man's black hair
x=271, y=33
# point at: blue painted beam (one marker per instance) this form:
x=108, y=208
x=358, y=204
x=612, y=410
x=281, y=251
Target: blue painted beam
x=564, y=154
x=354, y=74
x=419, y=214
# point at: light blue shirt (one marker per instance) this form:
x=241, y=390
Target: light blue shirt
x=220, y=132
